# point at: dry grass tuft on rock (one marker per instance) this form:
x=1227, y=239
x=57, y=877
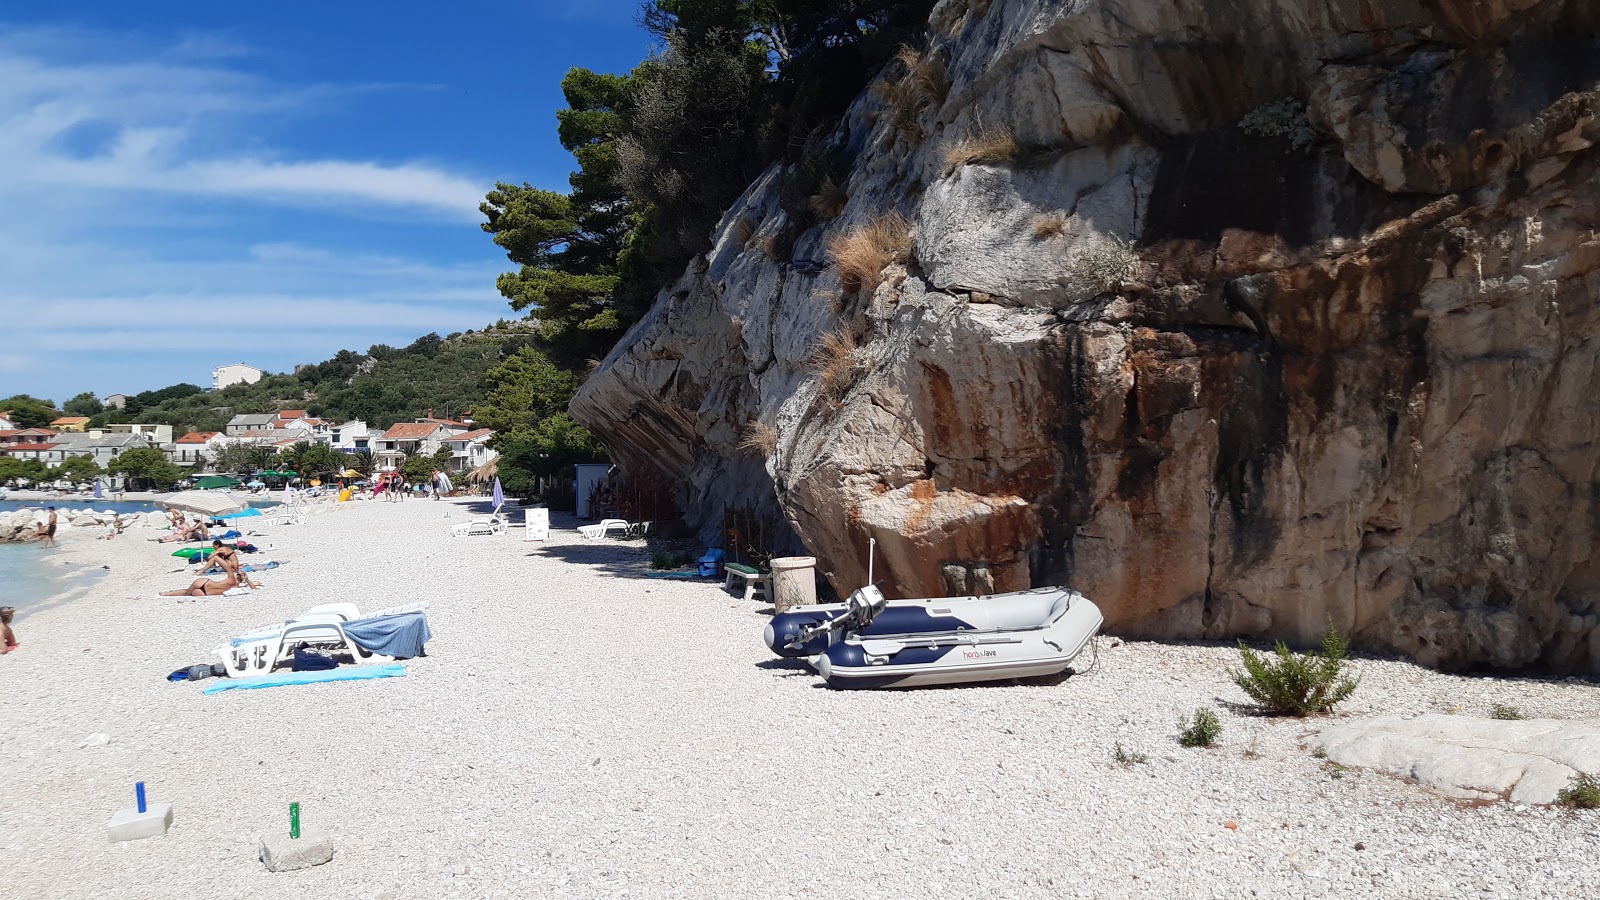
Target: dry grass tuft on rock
x=1106, y=267
x=743, y=230
x=922, y=84
x=759, y=437
x=1202, y=731
x=1049, y=225
x=863, y=254
x=829, y=200
x=1293, y=684
x=1581, y=792
x=835, y=364
x=991, y=147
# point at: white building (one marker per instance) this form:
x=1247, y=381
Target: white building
x=470, y=450
x=407, y=439
x=155, y=434
x=196, y=446
x=352, y=435
x=115, y=401
x=234, y=373
x=96, y=445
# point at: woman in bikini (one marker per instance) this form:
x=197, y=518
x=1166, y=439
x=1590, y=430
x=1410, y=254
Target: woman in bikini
x=227, y=559
x=206, y=587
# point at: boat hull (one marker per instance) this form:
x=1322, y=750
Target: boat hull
x=858, y=661
x=912, y=616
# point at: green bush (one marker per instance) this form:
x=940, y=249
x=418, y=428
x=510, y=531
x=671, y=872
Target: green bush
x=1202, y=731
x=1284, y=119
x=1582, y=792
x=1503, y=711
x=669, y=559
x=1293, y=684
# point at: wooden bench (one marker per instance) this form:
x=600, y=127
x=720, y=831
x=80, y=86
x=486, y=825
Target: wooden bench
x=755, y=581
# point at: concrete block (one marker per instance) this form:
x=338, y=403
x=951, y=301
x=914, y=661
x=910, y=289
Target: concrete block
x=282, y=853
x=132, y=825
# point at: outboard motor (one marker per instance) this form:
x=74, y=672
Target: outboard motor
x=808, y=631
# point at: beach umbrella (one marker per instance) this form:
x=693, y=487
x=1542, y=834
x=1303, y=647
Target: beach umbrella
x=243, y=513
x=257, y=483
x=499, y=496
x=99, y=493
x=217, y=481
x=206, y=503
x=349, y=473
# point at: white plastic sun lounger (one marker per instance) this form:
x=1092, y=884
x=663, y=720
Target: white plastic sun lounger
x=483, y=525
x=258, y=651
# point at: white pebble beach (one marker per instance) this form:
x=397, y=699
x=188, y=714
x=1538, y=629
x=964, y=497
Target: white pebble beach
x=580, y=730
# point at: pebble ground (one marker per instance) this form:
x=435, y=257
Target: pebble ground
x=579, y=730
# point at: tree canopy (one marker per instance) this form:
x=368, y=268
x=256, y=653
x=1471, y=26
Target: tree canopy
x=146, y=466
x=30, y=412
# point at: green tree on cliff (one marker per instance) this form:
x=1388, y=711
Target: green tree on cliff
x=29, y=412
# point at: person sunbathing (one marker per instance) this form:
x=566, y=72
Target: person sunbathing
x=8, y=638
x=206, y=587
x=225, y=560
x=195, y=532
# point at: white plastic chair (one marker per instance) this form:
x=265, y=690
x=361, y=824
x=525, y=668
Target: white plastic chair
x=491, y=525
x=599, y=530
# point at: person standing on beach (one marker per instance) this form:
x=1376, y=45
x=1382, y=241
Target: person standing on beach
x=47, y=531
x=8, y=638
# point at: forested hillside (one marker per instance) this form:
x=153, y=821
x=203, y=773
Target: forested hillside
x=381, y=386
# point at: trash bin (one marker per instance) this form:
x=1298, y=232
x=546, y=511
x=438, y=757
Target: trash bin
x=794, y=582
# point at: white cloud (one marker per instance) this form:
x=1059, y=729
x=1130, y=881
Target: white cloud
x=166, y=128
x=154, y=228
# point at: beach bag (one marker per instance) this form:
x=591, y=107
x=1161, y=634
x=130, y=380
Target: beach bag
x=312, y=661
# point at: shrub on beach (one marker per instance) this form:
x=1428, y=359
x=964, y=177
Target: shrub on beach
x=1581, y=792
x=1202, y=731
x=1288, y=683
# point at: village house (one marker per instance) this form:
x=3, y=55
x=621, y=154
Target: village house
x=352, y=435
x=250, y=422
x=115, y=401
x=155, y=434
x=407, y=439
x=196, y=446
x=470, y=449
x=75, y=424
x=234, y=373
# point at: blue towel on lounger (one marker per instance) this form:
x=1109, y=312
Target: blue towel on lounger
x=354, y=673
x=400, y=636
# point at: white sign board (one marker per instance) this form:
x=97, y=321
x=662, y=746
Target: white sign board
x=537, y=520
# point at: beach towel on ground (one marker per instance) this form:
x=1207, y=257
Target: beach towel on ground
x=400, y=636
x=354, y=673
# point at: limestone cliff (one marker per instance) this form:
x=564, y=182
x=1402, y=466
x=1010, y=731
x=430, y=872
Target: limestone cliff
x=1338, y=361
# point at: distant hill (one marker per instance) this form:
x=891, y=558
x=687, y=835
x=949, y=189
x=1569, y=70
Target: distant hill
x=381, y=386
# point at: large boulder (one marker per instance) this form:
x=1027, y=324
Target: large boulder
x=1226, y=380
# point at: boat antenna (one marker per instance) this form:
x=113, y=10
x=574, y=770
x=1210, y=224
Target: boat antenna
x=872, y=545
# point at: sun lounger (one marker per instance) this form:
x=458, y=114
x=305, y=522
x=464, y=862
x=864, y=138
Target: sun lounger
x=605, y=526
x=482, y=525
x=257, y=652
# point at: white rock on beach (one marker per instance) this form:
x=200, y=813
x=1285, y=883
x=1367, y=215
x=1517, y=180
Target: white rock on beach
x=1524, y=761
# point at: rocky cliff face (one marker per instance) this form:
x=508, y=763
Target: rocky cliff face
x=1337, y=362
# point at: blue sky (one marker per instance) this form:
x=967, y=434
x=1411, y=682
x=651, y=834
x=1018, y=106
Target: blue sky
x=188, y=184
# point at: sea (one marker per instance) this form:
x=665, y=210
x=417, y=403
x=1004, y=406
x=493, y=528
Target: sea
x=29, y=580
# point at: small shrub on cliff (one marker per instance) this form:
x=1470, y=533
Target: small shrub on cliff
x=1202, y=731
x=1049, y=225
x=1284, y=119
x=1107, y=266
x=1581, y=792
x=1503, y=711
x=864, y=253
x=1294, y=684
x=922, y=83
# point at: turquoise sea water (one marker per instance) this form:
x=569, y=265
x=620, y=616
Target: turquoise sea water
x=28, y=578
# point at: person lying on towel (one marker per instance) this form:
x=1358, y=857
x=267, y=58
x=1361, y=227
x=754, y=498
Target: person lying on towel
x=207, y=587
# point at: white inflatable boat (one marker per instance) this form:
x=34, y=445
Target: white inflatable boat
x=869, y=642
